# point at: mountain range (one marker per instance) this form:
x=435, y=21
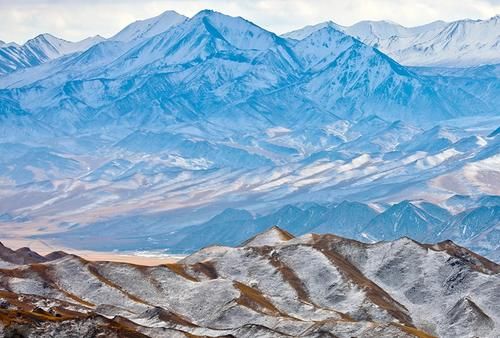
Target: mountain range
x=272, y=285
x=41, y=49
x=462, y=43
x=173, y=120
x=475, y=227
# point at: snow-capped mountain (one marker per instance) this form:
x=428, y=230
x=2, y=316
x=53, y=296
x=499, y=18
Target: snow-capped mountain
x=214, y=65
x=370, y=32
x=272, y=285
x=143, y=29
x=175, y=120
x=43, y=48
x=460, y=43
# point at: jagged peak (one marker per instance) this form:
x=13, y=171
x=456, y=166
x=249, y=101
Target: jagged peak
x=44, y=38
x=235, y=30
x=221, y=16
x=209, y=13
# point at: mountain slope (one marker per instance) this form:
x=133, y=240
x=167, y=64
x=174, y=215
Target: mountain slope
x=143, y=29
x=213, y=66
x=346, y=219
x=273, y=285
x=400, y=220
x=41, y=49
x=456, y=44
x=194, y=116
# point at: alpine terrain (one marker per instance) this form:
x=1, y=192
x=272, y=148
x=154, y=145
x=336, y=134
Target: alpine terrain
x=273, y=285
x=333, y=153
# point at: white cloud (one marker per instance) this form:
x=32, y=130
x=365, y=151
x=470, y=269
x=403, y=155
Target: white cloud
x=73, y=20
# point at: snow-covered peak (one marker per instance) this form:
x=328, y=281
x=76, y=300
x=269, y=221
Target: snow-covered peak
x=323, y=46
x=205, y=35
x=367, y=30
x=373, y=31
x=143, y=29
x=40, y=49
x=272, y=236
x=84, y=44
x=376, y=29
x=237, y=31
x=8, y=44
x=45, y=43
x=459, y=43
x=312, y=286
x=54, y=47
x=302, y=33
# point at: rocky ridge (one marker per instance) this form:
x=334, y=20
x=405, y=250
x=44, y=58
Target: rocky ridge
x=273, y=285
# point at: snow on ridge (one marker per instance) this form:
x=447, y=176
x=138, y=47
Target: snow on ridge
x=272, y=236
x=448, y=44
x=297, y=288
x=142, y=29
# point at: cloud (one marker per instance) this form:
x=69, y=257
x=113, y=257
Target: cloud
x=73, y=20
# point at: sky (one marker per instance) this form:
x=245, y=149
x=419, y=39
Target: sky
x=73, y=20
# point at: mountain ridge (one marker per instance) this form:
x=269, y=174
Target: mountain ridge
x=474, y=228
x=197, y=115
x=40, y=49
x=256, y=288
x=241, y=73
x=439, y=43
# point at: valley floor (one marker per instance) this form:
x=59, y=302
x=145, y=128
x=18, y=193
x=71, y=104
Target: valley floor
x=149, y=258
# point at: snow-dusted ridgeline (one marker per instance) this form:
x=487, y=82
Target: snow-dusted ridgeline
x=272, y=286
x=462, y=43
x=213, y=112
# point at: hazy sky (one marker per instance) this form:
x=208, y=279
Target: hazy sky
x=77, y=19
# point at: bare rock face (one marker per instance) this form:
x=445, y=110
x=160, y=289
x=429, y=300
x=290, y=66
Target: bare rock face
x=273, y=285
x=20, y=256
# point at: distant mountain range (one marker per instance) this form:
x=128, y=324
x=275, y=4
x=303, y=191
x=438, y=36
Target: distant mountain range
x=462, y=43
x=272, y=285
x=477, y=227
x=174, y=120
